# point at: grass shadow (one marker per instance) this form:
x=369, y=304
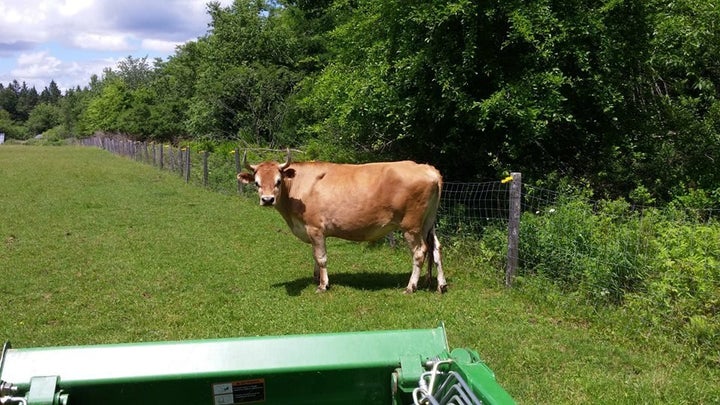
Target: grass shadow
x=295, y=287
x=364, y=281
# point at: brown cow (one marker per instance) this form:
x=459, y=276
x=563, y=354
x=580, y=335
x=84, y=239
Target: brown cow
x=354, y=202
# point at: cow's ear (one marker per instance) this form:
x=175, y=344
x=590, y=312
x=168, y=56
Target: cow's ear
x=288, y=173
x=245, y=177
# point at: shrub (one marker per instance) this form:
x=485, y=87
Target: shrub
x=682, y=294
x=586, y=248
x=662, y=265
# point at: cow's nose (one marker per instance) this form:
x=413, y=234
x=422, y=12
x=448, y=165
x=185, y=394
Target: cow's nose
x=267, y=200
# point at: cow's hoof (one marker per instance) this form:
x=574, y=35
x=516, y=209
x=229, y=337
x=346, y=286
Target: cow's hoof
x=321, y=289
x=410, y=289
x=442, y=289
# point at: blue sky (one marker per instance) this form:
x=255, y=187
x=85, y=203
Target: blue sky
x=70, y=40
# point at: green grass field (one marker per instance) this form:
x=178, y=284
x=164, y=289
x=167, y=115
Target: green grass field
x=95, y=248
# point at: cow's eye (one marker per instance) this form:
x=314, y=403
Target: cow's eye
x=257, y=184
x=277, y=183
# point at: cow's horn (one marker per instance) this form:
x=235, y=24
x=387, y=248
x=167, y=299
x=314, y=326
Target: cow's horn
x=245, y=163
x=287, y=160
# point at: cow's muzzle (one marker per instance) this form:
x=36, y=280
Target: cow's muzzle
x=267, y=200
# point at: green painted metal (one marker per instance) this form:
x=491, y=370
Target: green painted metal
x=471, y=367
x=43, y=391
x=356, y=367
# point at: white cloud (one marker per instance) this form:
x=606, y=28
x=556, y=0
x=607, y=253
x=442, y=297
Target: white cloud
x=69, y=40
x=167, y=47
x=37, y=65
x=37, y=69
x=72, y=7
x=102, y=42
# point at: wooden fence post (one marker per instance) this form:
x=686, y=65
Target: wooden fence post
x=187, y=165
x=181, y=161
x=513, y=228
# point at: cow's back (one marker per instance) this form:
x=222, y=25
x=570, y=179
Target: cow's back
x=361, y=202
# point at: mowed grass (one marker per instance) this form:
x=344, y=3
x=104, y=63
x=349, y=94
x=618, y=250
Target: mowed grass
x=95, y=248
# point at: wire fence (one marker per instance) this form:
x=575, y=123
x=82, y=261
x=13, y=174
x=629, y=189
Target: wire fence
x=553, y=231
x=216, y=171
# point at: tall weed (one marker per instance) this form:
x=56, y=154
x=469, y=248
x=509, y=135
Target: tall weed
x=661, y=265
x=682, y=294
x=592, y=249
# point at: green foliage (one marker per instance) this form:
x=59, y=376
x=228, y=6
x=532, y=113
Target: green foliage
x=10, y=128
x=477, y=88
x=663, y=266
x=43, y=117
x=51, y=94
x=682, y=294
x=59, y=132
x=246, y=73
x=104, y=112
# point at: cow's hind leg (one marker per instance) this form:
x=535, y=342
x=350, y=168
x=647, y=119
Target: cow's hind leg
x=436, y=257
x=419, y=250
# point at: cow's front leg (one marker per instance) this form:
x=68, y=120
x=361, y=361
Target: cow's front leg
x=320, y=254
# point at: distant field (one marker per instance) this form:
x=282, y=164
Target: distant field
x=95, y=248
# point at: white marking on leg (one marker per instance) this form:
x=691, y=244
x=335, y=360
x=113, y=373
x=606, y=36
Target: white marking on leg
x=437, y=258
x=418, y=248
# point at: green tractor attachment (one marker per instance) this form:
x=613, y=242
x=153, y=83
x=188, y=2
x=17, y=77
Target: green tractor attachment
x=377, y=367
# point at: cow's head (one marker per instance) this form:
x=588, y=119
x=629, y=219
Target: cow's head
x=267, y=176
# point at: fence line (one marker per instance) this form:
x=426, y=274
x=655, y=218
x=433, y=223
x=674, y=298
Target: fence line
x=465, y=208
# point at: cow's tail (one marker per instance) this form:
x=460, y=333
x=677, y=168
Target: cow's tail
x=430, y=254
x=430, y=236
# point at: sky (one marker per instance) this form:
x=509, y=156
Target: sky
x=70, y=40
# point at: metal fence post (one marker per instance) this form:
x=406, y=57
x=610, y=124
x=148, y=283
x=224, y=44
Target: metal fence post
x=513, y=227
x=238, y=169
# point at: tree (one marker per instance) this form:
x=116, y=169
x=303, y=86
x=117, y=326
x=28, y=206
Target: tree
x=72, y=106
x=681, y=146
x=105, y=111
x=247, y=72
x=173, y=87
x=9, y=98
x=43, y=117
x=26, y=101
x=134, y=72
x=478, y=88
x=11, y=129
x=51, y=94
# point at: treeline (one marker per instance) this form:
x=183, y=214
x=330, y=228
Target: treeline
x=621, y=94
x=24, y=111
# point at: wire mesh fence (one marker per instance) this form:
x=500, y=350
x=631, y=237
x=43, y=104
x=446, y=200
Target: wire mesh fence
x=469, y=208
